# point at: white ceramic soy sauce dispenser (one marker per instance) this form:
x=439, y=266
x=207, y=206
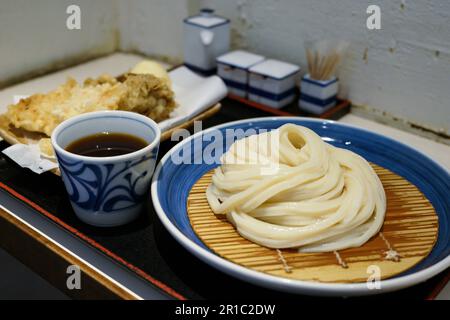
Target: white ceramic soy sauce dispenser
x=206, y=36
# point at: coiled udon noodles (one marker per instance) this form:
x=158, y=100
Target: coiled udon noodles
x=315, y=197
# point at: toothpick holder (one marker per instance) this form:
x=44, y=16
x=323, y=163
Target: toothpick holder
x=317, y=96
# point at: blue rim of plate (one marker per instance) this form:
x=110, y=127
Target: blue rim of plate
x=172, y=182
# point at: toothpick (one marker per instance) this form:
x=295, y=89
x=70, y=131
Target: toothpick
x=309, y=57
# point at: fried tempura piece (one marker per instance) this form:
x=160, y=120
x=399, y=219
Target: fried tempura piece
x=43, y=112
x=104, y=78
x=45, y=146
x=144, y=94
x=148, y=95
x=153, y=68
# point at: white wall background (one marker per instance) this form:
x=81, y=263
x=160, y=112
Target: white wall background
x=402, y=70
x=153, y=27
x=34, y=37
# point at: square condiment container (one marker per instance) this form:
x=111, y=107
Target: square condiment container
x=272, y=83
x=317, y=96
x=206, y=36
x=233, y=68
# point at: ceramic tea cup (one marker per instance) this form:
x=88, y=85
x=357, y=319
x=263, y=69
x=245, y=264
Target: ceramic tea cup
x=107, y=191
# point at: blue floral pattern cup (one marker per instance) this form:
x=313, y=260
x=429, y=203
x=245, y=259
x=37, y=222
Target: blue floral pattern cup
x=107, y=191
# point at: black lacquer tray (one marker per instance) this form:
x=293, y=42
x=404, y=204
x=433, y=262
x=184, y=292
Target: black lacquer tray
x=145, y=247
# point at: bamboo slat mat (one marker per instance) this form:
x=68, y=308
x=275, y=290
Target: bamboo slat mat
x=410, y=228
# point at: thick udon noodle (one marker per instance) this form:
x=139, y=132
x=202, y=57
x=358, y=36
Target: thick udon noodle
x=315, y=197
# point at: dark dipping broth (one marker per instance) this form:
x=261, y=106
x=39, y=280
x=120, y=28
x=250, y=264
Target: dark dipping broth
x=106, y=144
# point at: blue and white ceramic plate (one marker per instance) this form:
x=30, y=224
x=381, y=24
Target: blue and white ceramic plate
x=172, y=182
